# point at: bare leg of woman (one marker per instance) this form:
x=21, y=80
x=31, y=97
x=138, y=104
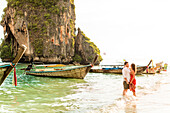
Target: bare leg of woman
x=134, y=93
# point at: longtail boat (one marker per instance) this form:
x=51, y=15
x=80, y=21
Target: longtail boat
x=153, y=69
x=150, y=70
x=7, y=68
x=57, y=65
x=76, y=72
x=165, y=67
x=117, y=69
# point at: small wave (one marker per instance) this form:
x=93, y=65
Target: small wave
x=123, y=104
x=145, y=86
x=3, y=109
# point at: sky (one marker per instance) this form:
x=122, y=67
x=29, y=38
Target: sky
x=125, y=29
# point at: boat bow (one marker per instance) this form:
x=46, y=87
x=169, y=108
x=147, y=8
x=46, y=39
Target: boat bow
x=6, y=69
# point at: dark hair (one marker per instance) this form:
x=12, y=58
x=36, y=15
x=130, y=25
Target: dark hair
x=133, y=66
x=125, y=63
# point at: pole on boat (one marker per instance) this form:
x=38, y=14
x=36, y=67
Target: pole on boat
x=150, y=62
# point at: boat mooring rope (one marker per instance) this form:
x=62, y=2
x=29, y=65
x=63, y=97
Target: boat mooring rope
x=15, y=76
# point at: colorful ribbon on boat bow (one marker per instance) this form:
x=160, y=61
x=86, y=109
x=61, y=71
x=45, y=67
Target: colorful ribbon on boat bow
x=14, y=81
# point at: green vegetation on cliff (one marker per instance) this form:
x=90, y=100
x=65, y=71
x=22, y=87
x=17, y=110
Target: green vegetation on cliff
x=95, y=48
x=47, y=28
x=77, y=58
x=40, y=16
x=5, y=50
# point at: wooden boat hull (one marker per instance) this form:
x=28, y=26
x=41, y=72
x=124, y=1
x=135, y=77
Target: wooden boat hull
x=149, y=73
x=58, y=65
x=158, y=71
x=140, y=70
x=78, y=73
x=6, y=69
x=117, y=71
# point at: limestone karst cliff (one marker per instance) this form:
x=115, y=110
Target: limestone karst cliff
x=47, y=28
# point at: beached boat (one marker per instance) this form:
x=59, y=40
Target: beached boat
x=141, y=69
x=153, y=70
x=165, y=67
x=159, y=67
x=150, y=70
x=7, y=68
x=75, y=72
x=117, y=69
x=56, y=65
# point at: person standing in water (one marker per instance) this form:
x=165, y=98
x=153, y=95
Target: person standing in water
x=132, y=85
x=126, y=77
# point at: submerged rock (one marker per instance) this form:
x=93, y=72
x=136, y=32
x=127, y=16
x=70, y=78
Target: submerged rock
x=47, y=28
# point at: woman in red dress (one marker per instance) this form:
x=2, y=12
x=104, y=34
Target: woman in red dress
x=132, y=79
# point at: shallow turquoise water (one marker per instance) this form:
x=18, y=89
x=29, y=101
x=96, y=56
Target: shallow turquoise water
x=96, y=93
